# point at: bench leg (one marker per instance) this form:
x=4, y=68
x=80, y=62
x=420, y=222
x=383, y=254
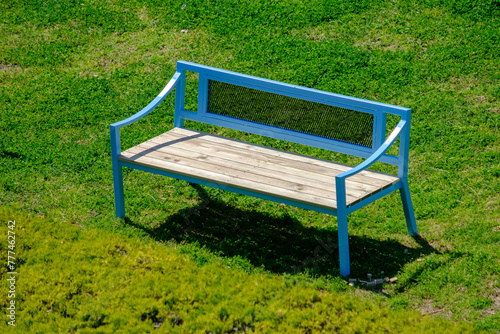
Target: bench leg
x=411, y=222
x=118, y=186
x=345, y=269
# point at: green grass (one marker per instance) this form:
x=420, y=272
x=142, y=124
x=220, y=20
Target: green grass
x=68, y=69
x=103, y=282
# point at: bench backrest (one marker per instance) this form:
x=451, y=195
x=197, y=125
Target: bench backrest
x=283, y=111
x=289, y=113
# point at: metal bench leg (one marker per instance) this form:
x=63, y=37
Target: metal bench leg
x=118, y=186
x=345, y=269
x=411, y=223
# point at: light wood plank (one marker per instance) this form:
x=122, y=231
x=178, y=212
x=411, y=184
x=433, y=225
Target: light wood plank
x=254, y=167
x=255, y=177
x=259, y=164
x=278, y=153
x=234, y=181
x=189, y=151
x=281, y=157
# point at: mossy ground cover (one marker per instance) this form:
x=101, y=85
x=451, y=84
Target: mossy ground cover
x=95, y=281
x=70, y=68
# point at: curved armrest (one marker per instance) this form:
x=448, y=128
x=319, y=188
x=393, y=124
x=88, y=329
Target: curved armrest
x=168, y=88
x=376, y=155
x=115, y=127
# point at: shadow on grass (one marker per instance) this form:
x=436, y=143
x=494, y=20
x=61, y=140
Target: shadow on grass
x=280, y=244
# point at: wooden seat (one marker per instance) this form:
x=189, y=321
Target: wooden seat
x=254, y=167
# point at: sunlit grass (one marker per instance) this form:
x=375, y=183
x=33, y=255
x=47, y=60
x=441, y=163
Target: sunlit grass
x=69, y=69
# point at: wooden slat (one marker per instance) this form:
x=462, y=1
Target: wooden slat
x=279, y=153
x=260, y=178
x=185, y=151
x=254, y=167
x=277, y=157
x=232, y=181
x=255, y=162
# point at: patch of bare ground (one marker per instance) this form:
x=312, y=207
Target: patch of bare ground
x=9, y=68
x=428, y=308
x=495, y=296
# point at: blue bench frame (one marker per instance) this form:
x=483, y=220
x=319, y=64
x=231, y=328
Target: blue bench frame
x=377, y=153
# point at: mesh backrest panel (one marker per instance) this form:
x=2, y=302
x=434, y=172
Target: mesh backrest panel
x=290, y=113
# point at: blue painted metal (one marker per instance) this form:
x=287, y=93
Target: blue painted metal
x=179, y=99
x=202, y=95
x=186, y=114
x=116, y=147
x=289, y=89
x=163, y=94
x=379, y=128
x=411, y=222
x=374, y=197
x=404, y=148
x=377, y=153
x=343, y=235
x=117, y=173
x=404, y=151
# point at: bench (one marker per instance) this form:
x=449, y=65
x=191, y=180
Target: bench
x=282, y=111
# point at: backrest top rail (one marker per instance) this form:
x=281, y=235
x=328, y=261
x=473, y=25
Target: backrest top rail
x=293, y=90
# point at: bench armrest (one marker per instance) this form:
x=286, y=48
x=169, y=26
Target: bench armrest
x=115, y=127
x=376, y=155
x=168, y=88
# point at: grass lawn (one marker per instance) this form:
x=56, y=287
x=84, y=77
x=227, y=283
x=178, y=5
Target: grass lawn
x=102, y=282
x=68, y=69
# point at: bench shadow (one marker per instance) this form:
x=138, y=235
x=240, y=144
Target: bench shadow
x=280, y=244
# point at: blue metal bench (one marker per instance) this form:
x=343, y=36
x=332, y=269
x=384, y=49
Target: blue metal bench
x=282, y=111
